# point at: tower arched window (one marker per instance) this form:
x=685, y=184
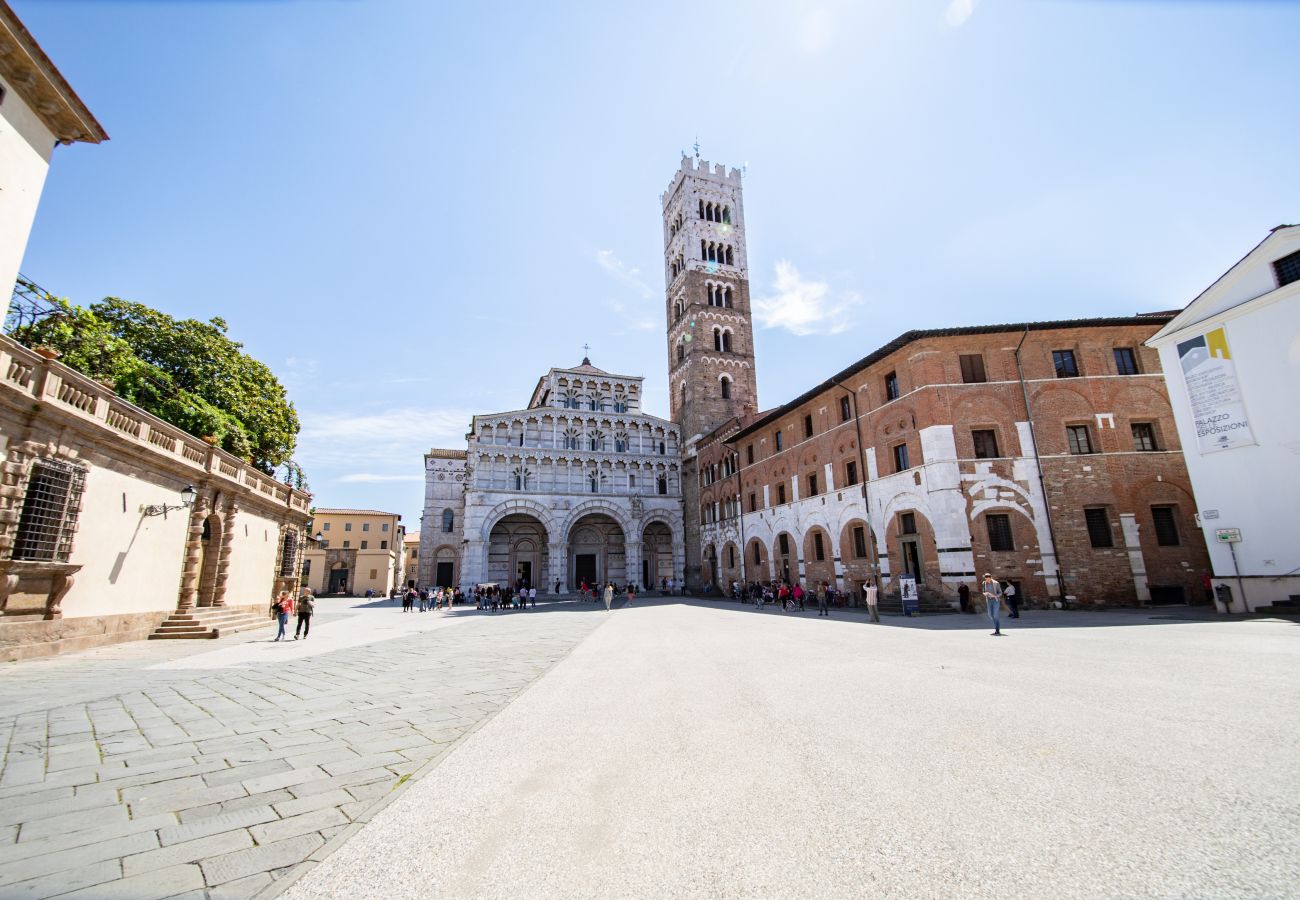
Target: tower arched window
x=717, y=339
x=731, y=260
x=701, y=209
x=726, y=341
x=662, y=484
x=726, y=215
x=620, y=442
x=683, y=392
x=726, y=388
x=681, y=351
x=448, y=520
x=726, y=297
x=597, y=441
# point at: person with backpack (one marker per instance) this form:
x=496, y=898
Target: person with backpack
x=306, y=608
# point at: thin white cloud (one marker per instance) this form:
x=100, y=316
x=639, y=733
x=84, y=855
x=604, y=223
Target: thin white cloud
x=391, y=441
x=372, y=478
x=805, y=307
x=608, y=261
x=958, y=12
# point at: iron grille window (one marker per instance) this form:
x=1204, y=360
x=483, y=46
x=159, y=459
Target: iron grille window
x=907, y=523
x=891, y=386
x=999, y=532
x=845, y=412
x=972, y=368
x=900, y=457
x=986, y=444
x=785, y=544
x=1065, y=364
x=780, y=493
x=289, y=554
x=1098, y=526
x=818, y=550
x=859, y=542
x=1080, y=441
x=850, y=472
x=1287, y=268
x=807, y=426
x=1166, y=526
x=812, y=485
x=1144, y=436
x=1126, y=361
x=50, y=508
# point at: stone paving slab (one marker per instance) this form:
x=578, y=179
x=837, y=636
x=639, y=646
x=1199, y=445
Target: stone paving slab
x=165, y=769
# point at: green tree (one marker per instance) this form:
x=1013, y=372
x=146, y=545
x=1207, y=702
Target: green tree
x=184, y=371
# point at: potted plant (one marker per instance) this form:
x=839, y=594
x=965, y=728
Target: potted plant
x=46, y=352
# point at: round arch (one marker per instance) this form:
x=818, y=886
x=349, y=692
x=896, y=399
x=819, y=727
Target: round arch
x=588, y=507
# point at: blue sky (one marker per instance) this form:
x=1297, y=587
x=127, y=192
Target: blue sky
x=411, y=209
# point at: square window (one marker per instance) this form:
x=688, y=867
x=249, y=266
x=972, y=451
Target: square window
x=780, y=444
x=365, y=526
x=986, y=444
x=859, y=542
x=1065, y=364
x=845, y=411
x=1080, y=440
x=1287, y=269
x=365, y=545
x=753, y=502
x=999, y=532
x=812, y=485
x=347, y=544
x=1166, y=526
x=780, y=494
x=850, y=472
x=807, y=426
x=347, y=526
x=818, y=550
x=891, y=386
x=1144, y=436
x=1125, y=361
x=384, y=527
x=1099, y=534
x=900, y=457
x=374, y=573
x=907, y=523
x=383, y=545
x=325, y=527
x=972, y=368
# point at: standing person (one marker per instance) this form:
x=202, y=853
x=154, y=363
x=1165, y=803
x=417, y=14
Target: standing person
x=284, y=606
x=963, y=597
x=993, y=602
x=609, y=595
x=306, y=607
x=1013, y=601
x=557, y=586
x=872, y=601
x=798, y=594
x=823, y=601
x=631, y=593
x=532, y=597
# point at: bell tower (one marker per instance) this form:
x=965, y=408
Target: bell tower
x=710, y=326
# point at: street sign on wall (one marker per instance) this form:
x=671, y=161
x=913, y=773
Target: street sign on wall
x=1228, y=535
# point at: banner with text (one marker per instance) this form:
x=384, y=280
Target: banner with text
x=1211, y=380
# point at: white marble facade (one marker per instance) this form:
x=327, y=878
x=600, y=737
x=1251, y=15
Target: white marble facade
x=580, y=485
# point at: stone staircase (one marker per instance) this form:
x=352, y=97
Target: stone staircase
x=205, y=623
x=930, y=604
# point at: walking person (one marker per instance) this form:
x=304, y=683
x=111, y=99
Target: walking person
x=1013, y=601
x=993, y=602
x=284, y=606
x=823, y=601
x=872, y=602
x=963, y=597
x=631, y=593
x=609, y=595
x=306, y=607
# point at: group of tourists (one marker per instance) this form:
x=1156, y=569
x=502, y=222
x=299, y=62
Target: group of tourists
x=282, y=607
x=790, y=596
x=492, y=597
x=429, y=598
x=595, y=593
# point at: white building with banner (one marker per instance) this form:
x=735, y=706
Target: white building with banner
x=1232, y=360
x=581, y=485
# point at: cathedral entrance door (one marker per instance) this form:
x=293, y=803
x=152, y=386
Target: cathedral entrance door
x=444, y=574
x=524, y=575
x=584, y=568
x=645, y=573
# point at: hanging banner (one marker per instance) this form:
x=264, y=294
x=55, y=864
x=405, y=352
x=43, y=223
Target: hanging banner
x=1211, y=380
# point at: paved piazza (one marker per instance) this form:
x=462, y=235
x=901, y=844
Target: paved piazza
x=667, y=750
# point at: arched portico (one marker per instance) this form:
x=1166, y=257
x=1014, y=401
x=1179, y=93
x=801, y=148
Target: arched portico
x=657, y=556
x=597, y=550
x=518, y=550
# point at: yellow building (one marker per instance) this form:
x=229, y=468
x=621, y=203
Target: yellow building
x=356, y=550
x=411, y=562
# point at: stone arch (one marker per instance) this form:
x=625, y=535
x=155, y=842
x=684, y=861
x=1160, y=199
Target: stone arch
x=210, y=542
x=510, y=507
x=758, y=568
x=615, y=512
x=917, y=552
x=445, y=553
x=819, y=570
x=785, y=565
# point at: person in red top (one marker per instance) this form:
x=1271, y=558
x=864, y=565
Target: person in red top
x=284, y=603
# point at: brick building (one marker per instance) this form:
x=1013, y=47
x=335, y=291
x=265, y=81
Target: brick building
x=921, y=459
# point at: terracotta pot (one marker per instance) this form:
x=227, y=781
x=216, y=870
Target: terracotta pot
x=47, y=352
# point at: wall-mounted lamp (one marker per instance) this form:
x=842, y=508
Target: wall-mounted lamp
x=188, y=495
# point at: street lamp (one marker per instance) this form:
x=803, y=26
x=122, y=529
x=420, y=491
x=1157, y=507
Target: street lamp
x=188, y=495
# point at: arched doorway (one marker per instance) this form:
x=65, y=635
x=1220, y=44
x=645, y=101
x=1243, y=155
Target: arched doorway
x=444, y=567
x=711, y=557
x=340, y=576
x=656, y=554
x=597, y=550
x=757, y=567
x=517, y=551
x=209, y=554
x=786, y=557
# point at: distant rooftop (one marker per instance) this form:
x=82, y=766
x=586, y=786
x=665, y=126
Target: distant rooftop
x=342, y=511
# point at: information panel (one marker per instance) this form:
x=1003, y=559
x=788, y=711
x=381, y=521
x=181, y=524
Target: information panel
x=1211, y=380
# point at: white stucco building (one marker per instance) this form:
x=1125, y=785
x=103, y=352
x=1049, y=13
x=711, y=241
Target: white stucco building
x=579, y=485
x=1232, y=358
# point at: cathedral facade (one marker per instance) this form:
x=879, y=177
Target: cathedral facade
x=580, y=485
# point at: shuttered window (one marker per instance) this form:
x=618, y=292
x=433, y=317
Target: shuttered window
x=972, y=368
x=999, y=532
x=1098, y=526
x=1166, y=526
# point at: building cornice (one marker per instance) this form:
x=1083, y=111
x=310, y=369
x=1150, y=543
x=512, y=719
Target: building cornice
x=27, y=69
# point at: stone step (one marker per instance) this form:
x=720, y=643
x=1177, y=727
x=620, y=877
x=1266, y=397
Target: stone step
x=10, y=617
x=182, y=635
x=206, y=623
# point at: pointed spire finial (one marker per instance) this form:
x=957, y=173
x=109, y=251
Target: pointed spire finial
x=697, y=146
x=586, y=360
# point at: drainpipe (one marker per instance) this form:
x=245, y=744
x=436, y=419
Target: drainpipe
x=1042, y=482
x=862, y=459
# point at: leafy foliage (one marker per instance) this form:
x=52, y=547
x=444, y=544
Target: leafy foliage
x=186, y=372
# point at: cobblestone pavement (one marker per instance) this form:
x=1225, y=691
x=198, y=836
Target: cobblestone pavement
x=682, y=751
x=210, y=768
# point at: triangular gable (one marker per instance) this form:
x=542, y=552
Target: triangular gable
x=1252, y=277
